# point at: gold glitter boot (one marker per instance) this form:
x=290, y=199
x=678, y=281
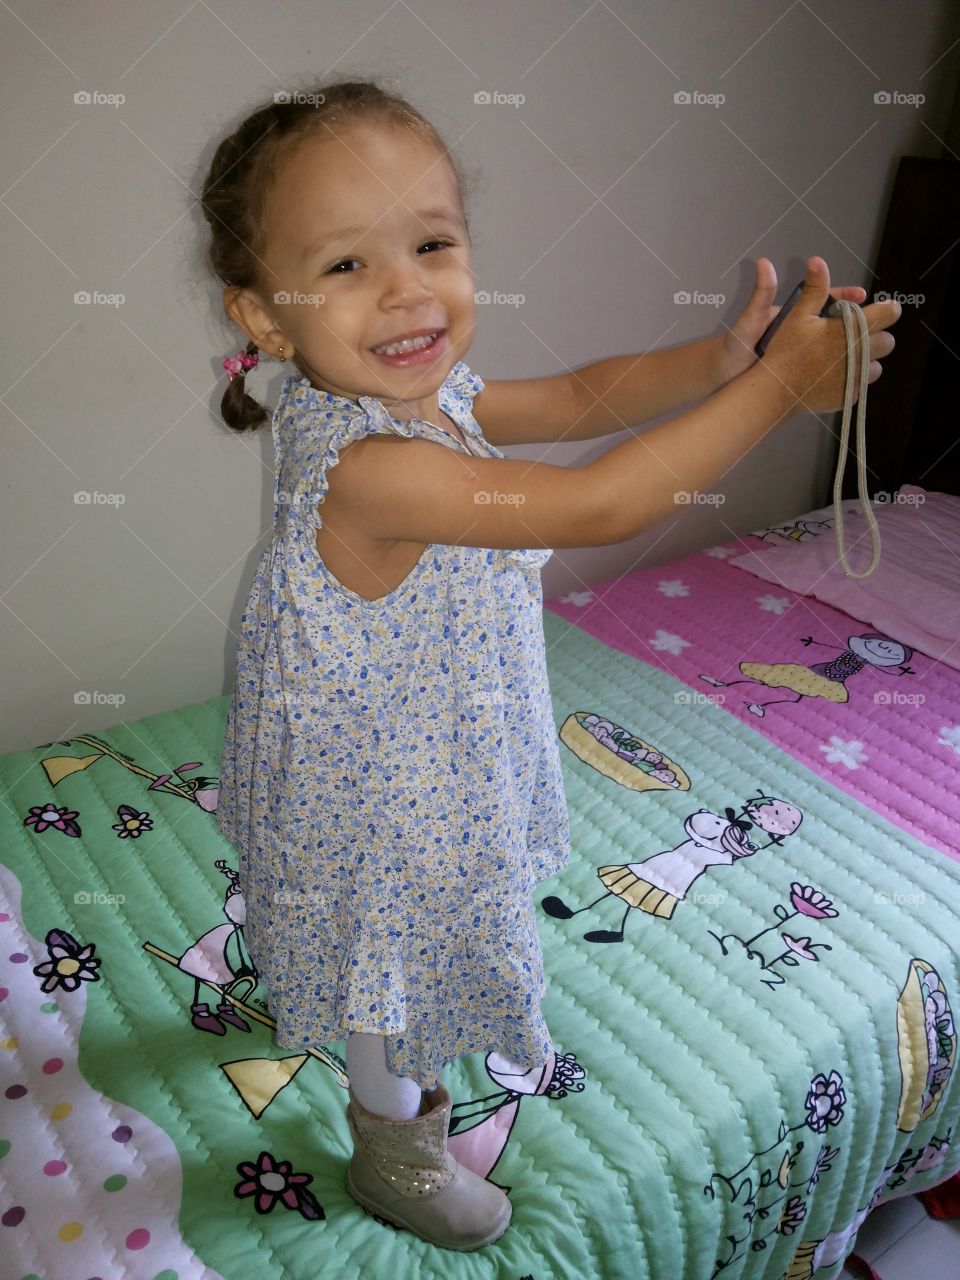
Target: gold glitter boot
x=402, y=1173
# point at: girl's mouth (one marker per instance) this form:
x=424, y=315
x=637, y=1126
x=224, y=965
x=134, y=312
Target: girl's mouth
x=417, y=351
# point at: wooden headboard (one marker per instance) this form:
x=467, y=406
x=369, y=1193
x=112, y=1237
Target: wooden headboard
x=913, y=409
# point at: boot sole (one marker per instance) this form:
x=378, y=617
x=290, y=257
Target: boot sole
x=376, y=1211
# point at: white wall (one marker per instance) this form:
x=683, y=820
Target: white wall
x=144, y=600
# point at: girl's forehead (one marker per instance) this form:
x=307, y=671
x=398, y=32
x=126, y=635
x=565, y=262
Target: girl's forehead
x=376, y=158
x=358, y=179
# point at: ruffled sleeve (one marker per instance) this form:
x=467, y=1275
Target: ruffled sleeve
x=464, y=386
x=373, y=420
x=461, y=384
x=465, y=383
x=460, y=389
x=311, y=428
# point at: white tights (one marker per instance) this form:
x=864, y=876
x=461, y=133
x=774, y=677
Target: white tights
x=378, y=1089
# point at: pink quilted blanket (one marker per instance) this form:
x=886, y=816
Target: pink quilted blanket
x=875, y=717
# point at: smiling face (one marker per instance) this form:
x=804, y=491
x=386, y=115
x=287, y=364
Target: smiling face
x=879, y=651
x=366, y=235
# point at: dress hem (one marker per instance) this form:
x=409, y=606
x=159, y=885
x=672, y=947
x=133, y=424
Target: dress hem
x=483, y=1047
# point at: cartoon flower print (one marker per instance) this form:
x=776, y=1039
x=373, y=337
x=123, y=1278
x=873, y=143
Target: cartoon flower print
x=825, y=1102
x=132, y=823
x=794, y=1212
x=811, y=902
x=69, y=963
x=272, y=1182
x=42, y=816
x=800, y=946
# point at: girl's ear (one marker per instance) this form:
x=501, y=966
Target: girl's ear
x=248, y=313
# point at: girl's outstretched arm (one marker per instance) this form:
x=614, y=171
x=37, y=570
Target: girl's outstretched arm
x=601, y=398
x=429, y=494
x=612, y=395
x=625, y=391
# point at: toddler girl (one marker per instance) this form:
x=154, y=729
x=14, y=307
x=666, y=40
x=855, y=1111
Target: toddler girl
x=391, y=776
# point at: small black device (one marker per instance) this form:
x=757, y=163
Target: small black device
x=831, y=308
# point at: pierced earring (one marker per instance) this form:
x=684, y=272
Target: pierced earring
x=281, y=356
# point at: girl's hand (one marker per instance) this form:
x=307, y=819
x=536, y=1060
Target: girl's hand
x=808, y=353
x=737, y=349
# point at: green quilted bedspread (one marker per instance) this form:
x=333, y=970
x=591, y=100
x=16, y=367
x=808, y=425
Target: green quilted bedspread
x=743, y=1067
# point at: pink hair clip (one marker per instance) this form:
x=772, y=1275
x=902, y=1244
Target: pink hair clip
x=240, y=363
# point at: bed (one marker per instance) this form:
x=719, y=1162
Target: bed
x=752, y=964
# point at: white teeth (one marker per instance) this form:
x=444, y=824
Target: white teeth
x=408, y=344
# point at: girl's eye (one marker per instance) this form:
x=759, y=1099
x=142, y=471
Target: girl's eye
x=443, y=244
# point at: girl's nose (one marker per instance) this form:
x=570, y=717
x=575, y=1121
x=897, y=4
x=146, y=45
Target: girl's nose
x=405, y=286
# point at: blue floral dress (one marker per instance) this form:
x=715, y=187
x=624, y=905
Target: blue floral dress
x=390, y=776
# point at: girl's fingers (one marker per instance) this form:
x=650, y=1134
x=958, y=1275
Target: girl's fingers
x=880, y=315
x=882, y=344
x=771, y=274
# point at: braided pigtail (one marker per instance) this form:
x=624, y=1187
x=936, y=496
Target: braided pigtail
x=238, y=408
